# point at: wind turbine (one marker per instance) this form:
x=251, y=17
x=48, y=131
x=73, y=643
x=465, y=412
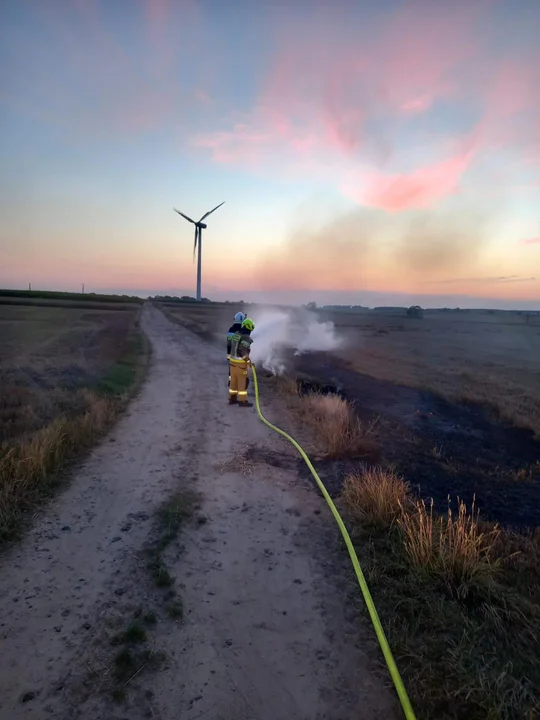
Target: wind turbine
x=199, y=227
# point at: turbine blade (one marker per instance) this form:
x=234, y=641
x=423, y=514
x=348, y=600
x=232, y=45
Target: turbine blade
x=195, y=241
x=184, y=216
x=211, y=211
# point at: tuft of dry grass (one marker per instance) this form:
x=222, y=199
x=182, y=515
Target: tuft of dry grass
x=457, y=548
x=526, y=474
x=453, y=548
x=375, y=496
x=240, y=462
x=337, y=430
x=288, y=385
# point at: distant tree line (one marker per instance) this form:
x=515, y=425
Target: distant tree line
x=335, y=308
x=57, y=295
x=417, y=311
x=188, y=299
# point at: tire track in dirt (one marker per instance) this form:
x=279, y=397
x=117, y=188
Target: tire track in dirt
x=267, y=635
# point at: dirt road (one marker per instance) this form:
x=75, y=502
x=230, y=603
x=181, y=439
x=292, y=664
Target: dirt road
x=267, y=632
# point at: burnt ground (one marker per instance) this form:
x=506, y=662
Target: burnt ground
x=441, y=449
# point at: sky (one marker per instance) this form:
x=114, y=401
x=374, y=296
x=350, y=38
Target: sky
x=367, y=153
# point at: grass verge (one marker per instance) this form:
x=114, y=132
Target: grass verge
x=135, y=652
x=29, y=469
x=459, y=599
x=132, y=657
x=169, y=521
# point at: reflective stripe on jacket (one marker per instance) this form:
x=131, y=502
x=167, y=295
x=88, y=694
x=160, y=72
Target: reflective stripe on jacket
x=240, y=347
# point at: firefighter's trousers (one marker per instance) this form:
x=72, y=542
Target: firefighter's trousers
x=238, y=372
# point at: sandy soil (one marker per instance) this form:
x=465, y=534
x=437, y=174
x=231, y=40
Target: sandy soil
x=269, y=632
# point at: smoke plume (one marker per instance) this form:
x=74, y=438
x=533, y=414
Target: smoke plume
x=279, y=332
x=367, y=249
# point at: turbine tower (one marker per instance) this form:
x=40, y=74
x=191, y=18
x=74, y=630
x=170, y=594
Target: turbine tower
x=199, y=227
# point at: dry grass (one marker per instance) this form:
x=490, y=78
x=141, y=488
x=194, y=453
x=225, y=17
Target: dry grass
x=455, y=549
x=65, y=375
x=240, y=462
x=287, y=386
x=337, y=430
x=526, y=474
x=27, y=468
x=460, y=600
x=452, y=548
x=375, y=496
x=47, y=355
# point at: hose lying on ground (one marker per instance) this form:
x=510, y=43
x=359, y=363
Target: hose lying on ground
x=383, y=642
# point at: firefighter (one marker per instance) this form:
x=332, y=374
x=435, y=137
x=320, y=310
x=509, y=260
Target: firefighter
x=235, y=327
x=239, y=362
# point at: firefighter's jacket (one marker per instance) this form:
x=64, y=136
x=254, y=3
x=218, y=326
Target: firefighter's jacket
x=233, y=329
x=240, y=347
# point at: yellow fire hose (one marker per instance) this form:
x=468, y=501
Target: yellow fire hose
x=383, y=642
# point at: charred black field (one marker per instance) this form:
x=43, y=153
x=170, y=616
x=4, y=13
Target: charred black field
x=442, y=449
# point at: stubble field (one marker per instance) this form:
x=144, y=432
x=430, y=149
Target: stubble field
x=63, y=370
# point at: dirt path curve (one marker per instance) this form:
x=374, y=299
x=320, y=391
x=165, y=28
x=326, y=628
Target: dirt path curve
x=267, y=634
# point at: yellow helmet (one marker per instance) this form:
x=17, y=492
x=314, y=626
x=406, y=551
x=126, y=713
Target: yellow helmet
x=248, y=324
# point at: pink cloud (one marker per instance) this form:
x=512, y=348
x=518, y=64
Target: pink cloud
x=423, y=50
x=512, y=104
x=417, y=105
x=227, y=146
x=530, y=241
x=327, y=91
x=417, y=58
x=417, y=189
x=312, y=90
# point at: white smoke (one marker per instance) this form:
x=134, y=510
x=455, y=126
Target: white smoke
x=277, y=331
